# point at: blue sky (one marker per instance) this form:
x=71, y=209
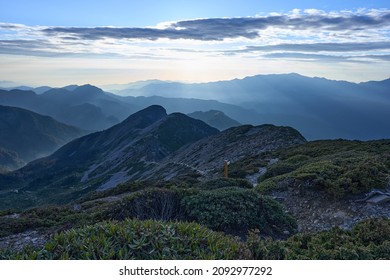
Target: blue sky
x=62, y=42
x=150, y=12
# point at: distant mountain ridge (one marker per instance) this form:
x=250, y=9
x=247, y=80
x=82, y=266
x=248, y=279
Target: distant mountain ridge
x=31, y=135
x=215, y=119
x=319, y=108
x=87, y=107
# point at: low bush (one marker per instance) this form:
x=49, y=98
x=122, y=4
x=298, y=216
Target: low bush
x=154, y=203
x=224, y=183
x=236, y=210
x=367, y=240
x=134, y=239
x=338, y=167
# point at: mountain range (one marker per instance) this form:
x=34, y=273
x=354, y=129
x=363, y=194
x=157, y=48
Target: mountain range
x=215, y=118
x=319, y=108
x=86, y=107
x=143, y=146
x=25, y=136
x=104, y=159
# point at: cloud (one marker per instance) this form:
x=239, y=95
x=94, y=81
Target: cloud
x=320, y=47
x=385, y=57
x=45, y=48
x=218, y=29
x=12, y=26
x=25, y=47
x=327, y=57
x=37, y=47
x=309, y=35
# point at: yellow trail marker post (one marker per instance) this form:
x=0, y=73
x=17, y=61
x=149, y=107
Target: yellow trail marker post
x=225, y=168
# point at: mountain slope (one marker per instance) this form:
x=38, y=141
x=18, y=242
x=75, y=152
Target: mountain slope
x=9, y=160
x=32, y=135
x=215, y=119
x=104, y=159
x=206, y=156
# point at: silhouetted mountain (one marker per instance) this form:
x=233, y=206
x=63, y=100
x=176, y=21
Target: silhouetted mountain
x=215, y=119
x=32, y=135
x=317, y=107
x=104, y=159
x=127, y=89
x=88, y=94
x=189, y=105
x=70, y=87
x=37, y=90
x=86, y=106
x=42, y=89
x=20, y=98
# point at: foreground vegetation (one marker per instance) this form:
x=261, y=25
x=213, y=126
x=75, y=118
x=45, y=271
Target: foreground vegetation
x=367, y=240
x=134, y=239
x=216, y=219
x=338, y=167
x=226, y=205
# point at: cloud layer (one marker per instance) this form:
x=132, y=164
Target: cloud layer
x=309, y=36
x=217, y=29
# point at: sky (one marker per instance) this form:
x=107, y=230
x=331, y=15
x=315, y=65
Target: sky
x=57, y=43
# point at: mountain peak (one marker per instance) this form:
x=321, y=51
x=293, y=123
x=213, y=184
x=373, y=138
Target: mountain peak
x=215, y=118
x=87, y=88
x=145, y=117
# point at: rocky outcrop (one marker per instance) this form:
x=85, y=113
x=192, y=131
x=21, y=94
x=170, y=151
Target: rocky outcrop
x=316, y=211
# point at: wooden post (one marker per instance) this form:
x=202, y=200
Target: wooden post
x=225, y=169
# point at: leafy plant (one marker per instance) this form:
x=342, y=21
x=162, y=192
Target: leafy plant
x=367, y=240
x=338, y=167
x=237, y=210
x=134, y=239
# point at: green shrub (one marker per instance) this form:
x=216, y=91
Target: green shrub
x=154, y=203
x=43, y=218
x=367, y=240
x=337, y=167
x=237, y=210
x=134, y=239
x=225, y=182
x=246, y=166
x=127, y=187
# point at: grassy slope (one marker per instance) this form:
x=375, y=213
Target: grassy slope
x=337, y=166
